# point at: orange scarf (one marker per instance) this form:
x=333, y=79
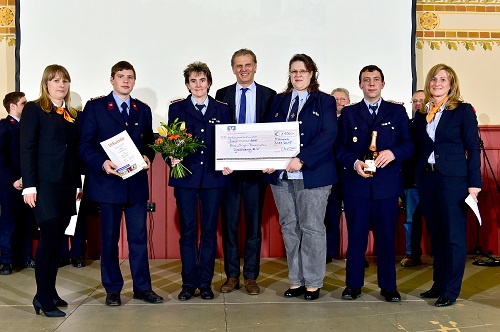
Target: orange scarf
x=67, y=117
x=433, y=109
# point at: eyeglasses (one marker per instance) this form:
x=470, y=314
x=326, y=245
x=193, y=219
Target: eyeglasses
x=301, y=72
x=417, y=101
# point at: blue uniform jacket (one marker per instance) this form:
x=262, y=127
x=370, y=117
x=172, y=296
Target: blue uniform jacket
x=101, y=120
x=202, y=162
x=355, y=131
x=318, y=129
x=10, y=161
x=456, y=135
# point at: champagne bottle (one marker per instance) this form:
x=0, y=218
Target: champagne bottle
x=371, y=155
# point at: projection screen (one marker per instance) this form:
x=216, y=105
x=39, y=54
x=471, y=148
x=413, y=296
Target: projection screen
x=161, y=37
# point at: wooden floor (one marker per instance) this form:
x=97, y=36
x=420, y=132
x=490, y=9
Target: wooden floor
x=477, y=309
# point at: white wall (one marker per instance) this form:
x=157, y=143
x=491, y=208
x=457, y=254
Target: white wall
x=161, y=37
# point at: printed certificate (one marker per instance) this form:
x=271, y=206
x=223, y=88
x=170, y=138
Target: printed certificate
x=122, y=151
x=256, y=146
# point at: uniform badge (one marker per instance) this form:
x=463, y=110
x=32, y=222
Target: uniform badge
x=110, y=106
x=354, y=139
x=134, y=106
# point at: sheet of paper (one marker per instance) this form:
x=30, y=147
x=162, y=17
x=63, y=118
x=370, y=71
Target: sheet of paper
x=256, y=146
x=122, y=151
x=70, y=230
x=474, y=207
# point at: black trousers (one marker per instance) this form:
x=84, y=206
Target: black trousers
x=47, y=260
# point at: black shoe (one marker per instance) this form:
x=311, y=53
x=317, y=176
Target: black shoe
x=329, y=259
x=63, y=262
x=391, y=295
x=312, y=295
x=113, y=299
x=52, y=313
x=367, y=265
x=148, y=296
x=5, y=269
x=351, y=293
x=443, y=302
x=186, y=293
x=206, y=293
x=430, y=294
x=78, y=262
x=294, y=292
x=29, y=264
x=59, y=302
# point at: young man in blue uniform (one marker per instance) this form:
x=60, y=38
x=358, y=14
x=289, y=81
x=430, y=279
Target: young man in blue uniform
x=16, y=218
x=372, y=199
x=104, y=118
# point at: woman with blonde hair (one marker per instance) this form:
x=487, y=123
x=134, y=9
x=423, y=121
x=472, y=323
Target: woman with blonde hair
x=448, y=170
x=51, y=177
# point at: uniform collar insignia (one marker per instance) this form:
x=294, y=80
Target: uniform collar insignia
x=111, y=106
x=134, y=106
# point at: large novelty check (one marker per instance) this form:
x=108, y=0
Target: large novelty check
x=256, y=146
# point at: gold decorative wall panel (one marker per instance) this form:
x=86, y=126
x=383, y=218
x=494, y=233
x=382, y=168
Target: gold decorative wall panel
x=471, y=24
x=8, y=22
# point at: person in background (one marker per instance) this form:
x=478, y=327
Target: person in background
x=448, y=169
x=413, y=223
x=249, y=102
x=372, y=199
x=50, y=171
x=103, y=118
x=75, y=254
x=16, y=218
x=334, y=206
x=204, y=186
x=301, y=190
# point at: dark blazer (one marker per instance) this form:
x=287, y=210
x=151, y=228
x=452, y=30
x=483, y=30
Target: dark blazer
x=10, y=161
x=202, y=162
x=318, y=129
x=355, y=130
x=456, y=135
x=264, y=97
x=47, y=145
x=101, y=120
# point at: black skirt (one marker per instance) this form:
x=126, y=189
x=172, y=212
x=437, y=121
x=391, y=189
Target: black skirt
x=54, y=200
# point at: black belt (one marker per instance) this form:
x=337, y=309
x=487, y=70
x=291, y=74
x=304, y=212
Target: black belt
x=430, y=168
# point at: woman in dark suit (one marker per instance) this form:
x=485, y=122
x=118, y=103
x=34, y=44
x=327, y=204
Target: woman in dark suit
x=448, y=169
x=205, y=185
x=51, y=177
x=301, y=190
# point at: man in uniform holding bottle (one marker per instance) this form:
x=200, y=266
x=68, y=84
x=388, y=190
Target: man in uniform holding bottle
x=372, y=198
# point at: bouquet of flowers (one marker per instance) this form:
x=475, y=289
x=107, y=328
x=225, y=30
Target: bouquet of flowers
x=175, y=142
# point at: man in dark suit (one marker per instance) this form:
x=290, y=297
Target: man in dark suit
x=102, y=120
x=16, y=218
x=249, y=102
x=372, y=199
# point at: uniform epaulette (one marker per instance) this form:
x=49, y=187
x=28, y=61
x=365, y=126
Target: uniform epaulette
x=396, y=102
x=223, y=103
x=98, y=97
x=142, y=102
x=176, y=100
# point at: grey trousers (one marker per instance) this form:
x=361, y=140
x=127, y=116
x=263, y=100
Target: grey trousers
x=301, y=214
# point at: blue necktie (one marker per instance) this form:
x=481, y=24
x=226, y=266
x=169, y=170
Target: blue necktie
x=200, y=108
x=243, y=106
x=374, y=111
x=294, y=110
x=124, y=112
